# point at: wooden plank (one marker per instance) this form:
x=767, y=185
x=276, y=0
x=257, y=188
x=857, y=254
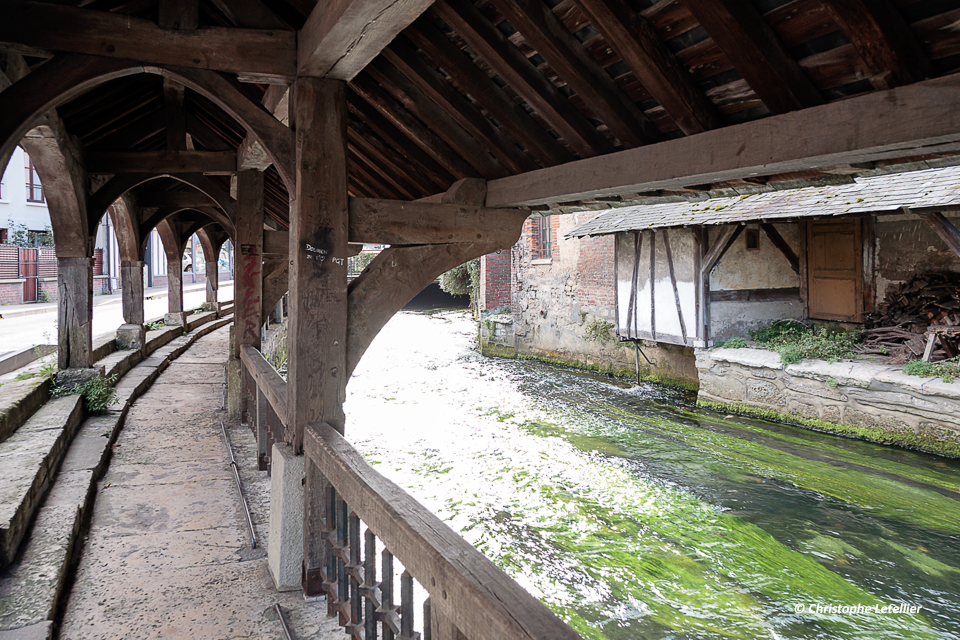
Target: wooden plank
x=340, y=38
x=102, y=33
x=720, y=246
x=756, y=52
x=388, y=158
x=755, y=295
x=928, y=350
x=135, y=133
x=513, y=66
x=886, y=45
x=487, y=94
x=452, y=102
x=276, y=243
x=489, y=603
x=544, y=32
x=944, y=228
x=249, y=260
x=804, y=269
x=420, y=133
x=883, y=125
x=270, y=383
x=641, y=48
x=673, y=283
x=782, y=245
x=169, y=161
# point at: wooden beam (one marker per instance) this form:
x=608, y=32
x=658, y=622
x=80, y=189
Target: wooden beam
x=542, y=29
x=173, y=94
x=885, y=125
x=629, y=34
x=179, y=161
x=252, y=155
x=417, y=131
x=250, y=13
x=275, y=284
x=518, y=72
x=944, y=228
x=396, y=222
x=755, y=295
x=391, y=180
x=276, y=242
x=452, y=102
x=755, y=51
x=727, y=235
x=177, y=199
x=782, y=245
x=206, y=136
x=886, y=45
x=443, y=123
x=442, y=52
x=249, y=258
x=102, y=33
x=339, y=39
x=133, y=134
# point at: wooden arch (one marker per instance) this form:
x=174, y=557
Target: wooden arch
x=66, y=76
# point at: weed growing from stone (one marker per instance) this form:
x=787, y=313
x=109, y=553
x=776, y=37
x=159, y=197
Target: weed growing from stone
x=948, y=370
x=24, y=375
x=795, y=342
x=155, y=326
x=733, y=343
x=98, y=394
x=598, y=330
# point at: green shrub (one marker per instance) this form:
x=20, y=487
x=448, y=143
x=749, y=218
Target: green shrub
x=778, y=331
x=948, y=370
x=733, y=343
x=98, y=394
x=463, y=280
x=598, y=330
x=795, y=342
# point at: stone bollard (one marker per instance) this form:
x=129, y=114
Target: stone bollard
x=285, y=547
x=178, y=319
x=131, y=337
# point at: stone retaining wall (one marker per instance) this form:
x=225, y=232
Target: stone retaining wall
x=878, y=403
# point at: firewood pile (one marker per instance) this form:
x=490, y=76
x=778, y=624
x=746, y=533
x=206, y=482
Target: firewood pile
x=926, y=301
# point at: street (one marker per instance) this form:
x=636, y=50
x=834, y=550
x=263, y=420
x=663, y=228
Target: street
x=20, y=332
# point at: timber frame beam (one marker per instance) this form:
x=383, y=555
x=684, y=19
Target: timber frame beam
x=868, y=128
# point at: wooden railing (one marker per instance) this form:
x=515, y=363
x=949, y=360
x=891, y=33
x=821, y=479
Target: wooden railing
x=265, y=400
x=469, y=597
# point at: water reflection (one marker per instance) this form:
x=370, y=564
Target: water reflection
x=633, y=514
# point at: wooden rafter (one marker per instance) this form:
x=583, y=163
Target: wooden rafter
x=756, y=52
x=885, y=43
x=165, y=162
x=541, y=28
x=518, y=72
x=339, y=39
x=417, y=132
x=385, y=177
x=373, y=147
x=653, y=64
x=180, y=199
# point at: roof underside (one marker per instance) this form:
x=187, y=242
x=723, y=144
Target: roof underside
x=500, y=87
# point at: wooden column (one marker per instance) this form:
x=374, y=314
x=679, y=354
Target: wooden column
x=75, y=312
x=249, y=284
x=317, y=332
x=213, y=280
x=174, y=283
x=131, y=288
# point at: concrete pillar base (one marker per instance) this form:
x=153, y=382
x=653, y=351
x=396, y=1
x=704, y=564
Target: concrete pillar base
x=233, y=388
x=285, y=548
x=131, y=337
x=212, y=306
x=178, y=319
x=69, y=379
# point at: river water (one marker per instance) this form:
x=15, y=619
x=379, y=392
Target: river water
x=633, y=514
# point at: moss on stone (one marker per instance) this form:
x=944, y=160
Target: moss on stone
x=627, y=373
x=905, y=439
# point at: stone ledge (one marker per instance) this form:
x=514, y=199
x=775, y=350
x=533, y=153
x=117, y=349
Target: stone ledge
x=758, y=358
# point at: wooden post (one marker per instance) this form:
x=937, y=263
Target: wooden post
x=75, y=312
x=131, y=291
x=213, y=280
x=249, y=285
x=317, y=331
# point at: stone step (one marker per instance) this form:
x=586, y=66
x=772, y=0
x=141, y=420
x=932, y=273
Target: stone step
x=31, y=589
x=28, y=460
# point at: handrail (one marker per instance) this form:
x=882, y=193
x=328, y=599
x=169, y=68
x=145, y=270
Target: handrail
x=474, y=594
x=269, y=382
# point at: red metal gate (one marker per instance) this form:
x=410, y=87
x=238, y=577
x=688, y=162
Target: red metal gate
x=28, y=271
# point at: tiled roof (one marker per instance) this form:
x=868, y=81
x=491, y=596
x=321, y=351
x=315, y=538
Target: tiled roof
x=876, y=194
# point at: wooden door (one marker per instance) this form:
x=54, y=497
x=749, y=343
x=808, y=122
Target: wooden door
x=28, y=271
x=835, y=270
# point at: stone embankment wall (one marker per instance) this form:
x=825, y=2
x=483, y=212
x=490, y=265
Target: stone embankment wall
x=878, y=403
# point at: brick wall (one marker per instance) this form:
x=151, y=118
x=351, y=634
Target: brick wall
x=595, y=267
x=159, y=281
x=50, y=288
x=495, y=281
x=11, y=293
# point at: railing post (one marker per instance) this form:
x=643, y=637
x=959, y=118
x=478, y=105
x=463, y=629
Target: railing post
x=387, y=609
x=370, y=584
x=262, y=431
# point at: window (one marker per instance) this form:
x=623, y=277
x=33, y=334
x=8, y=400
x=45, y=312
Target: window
x=542, y=238
x=752, y=238
x=34, y=188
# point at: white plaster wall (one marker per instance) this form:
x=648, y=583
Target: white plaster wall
x=14, y=208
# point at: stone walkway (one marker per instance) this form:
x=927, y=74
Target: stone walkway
x=168, y=554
